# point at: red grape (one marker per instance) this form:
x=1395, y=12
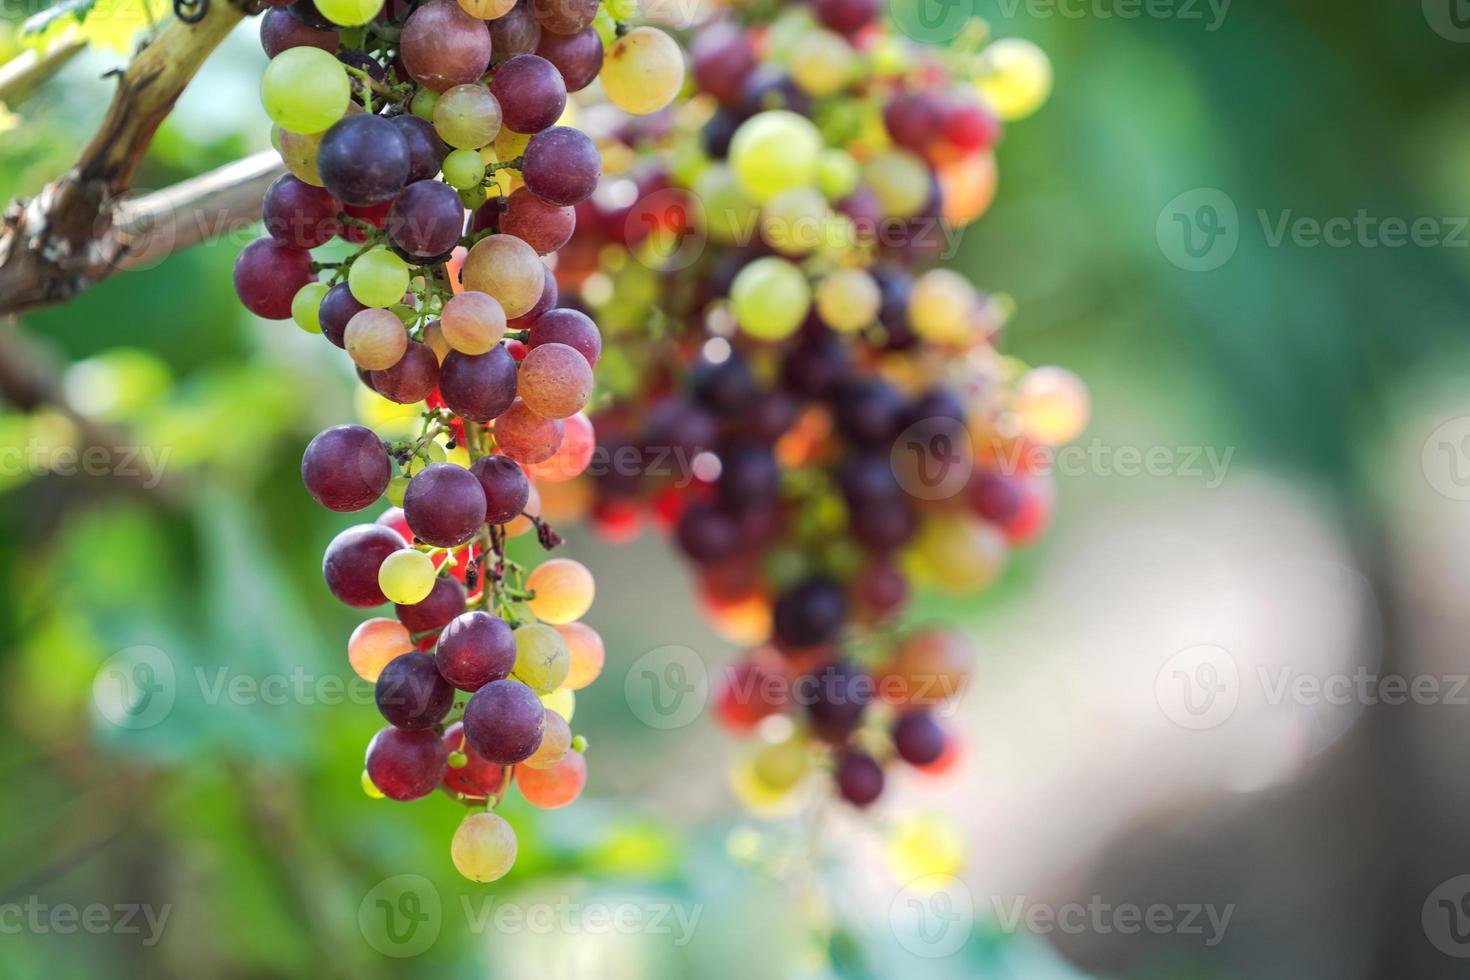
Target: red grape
x=405, y=765
x=531, y=92
x=444, y=505
x=350, y=565
x=411, y=693
x=346, y=468
x=475, y=649
x=503, y=722
x=478, y=386
x=268, y=274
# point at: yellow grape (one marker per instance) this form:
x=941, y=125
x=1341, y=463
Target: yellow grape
x=484, y=847
x=556, y=742
x=434, y=337
x=542, y=658
x=770, y=298
x=562, y=701
x=564, y=590
x=1016, y=78
x=793, y=222
x=406, y=576
x=926, y=844
x=374, y=643
x=508, y=269
x=942, y=307
x=487, y=9
x=349, y=13
x=1053, y=404
x=957, y=554
x=306, y=305
x=900, y=180
x=822, y=62
x=848, y=300
x=774, y=150
x=728, y=213
x=473, y=322
x=642, y=71
x=372, y=791
x=585, y=646
x=305, y=90
x=375, y=339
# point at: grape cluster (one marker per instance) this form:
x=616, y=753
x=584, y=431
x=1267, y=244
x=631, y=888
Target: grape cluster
x=426, y=144
x=784, y=328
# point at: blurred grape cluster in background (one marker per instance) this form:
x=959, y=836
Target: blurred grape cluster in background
x=1214, y=728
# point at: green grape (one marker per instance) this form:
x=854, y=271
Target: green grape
x=900, y=180
x=474, y=197
x=794, y=221
x=624, y=10
x=378, y=278
x=728, y=213
x=306, y=304
x=848, y=300
x=349, y=13
x=372, y=791
x=542, y=658
x=770, y=298
x=822, y=63
x=305, y=90
x=838, y=174
x=467, y=116
x=773, y=151
x=643, y=71
x=464, y=169
x=942, y=307
x=423, y=103
x=1016, y=78
x=484, y=847
x=397, y=487
x=406, y=576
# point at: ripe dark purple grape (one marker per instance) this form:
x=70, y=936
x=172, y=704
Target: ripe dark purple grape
x=406, y=765
x=426, y=151
x=859, y=778
x=445, y=601
x=338, y=306
x=846, y=16
x=544, y=227
x=515, y=33
x=836, y=698
x=426, y=220
x=564, y=16
x=351, y=563
x=676, y=424
x=867, y=478
x=561, y=166
x=412, y=379
x=478, y=386
x=707, y=534
x=550, y=294
x=478, y=778
x=870, y=411
x=722, y=57
x=531, y=92
x=475, y=649
x=299, y=214
x=268, y=275
x=280, y=31
x=749, y=478
x=577, y=56
x=768, y=87
x=305, y=11
x=918, y=738
x=504, y=721
x=718, y=132
x=346, y=467
x=410, y=692
x=571, y=327
x=444, y=505
x=506, y=487
x=811, y=613
x=816, y=366
x=363, y=160
x=727, y=387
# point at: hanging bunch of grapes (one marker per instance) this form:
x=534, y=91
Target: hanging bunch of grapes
x=429, y=159
x=850, y=430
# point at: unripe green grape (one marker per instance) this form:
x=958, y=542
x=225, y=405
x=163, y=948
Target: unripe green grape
x=484, y=847
x=624, y=10
x=838, y=174
x=472, y=322
x=901, y=182
x=848, y=300
x=643, y=71
x=770, y=298
x=822, y=63
x=542, y=658
x=306, y=304
x=349, y=13
x=423, y=102
x=375, y=339
x=397, y=487
x=373, y=793
x=942, y=305
x=378, y=278
x=406, y=576
x=305, y=90
x=509, y=270
x=474, y=197
x=794, y=221
x=727, y=211
x=464, y=169
x=467, y=116
x=774, y=150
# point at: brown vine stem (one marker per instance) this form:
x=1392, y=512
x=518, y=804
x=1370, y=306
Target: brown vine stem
x=68, y=237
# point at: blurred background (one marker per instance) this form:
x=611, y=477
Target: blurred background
x=1216, y=729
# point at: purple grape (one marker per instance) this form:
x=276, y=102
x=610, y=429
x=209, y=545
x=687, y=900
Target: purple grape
x=531, y=92
x=268, y=274
x=363, y=62
x=913, y=119
x=338, y=306
x=363, y=160
x=305, y=11
x=884, y=526
x=426, y=220
x=351, y=563
x=478, y=386
x=544, y=227
x=475, y=649
x=445, y=601
x=768, y=87
x=722, y=57
x=577, y=56
x=346, y=467
x=406, y=765
x=279, y=31
x=442, y=46
x=918, y=738
x=550, y=294
x=707, y=534
x=504, y=721
x=564, y=16
x=749, y=478
x=839, y=694
x=561, y=166
x=426, y=151
x=816, y=366
x=867, y=478
x=571, y=327
x=674, y=423
x=859, y=778
x=444, y=505
x=515, y=33
x=506, y=487
x=412, y=379
x=870, y=411
x=727, y=387
x=846, y=16
x=411, y=694
x=299, y=214
x=811, y=613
